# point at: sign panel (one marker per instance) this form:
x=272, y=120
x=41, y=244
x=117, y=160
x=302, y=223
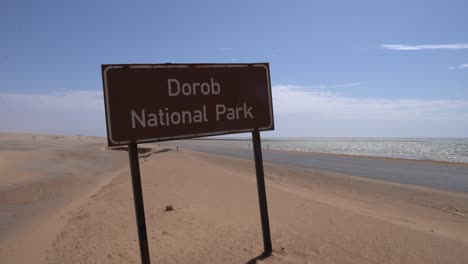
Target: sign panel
x=158, y=102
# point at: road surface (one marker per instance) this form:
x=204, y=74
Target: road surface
x=438, y=175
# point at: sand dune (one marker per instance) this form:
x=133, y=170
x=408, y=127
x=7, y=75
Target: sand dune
x=315, y=216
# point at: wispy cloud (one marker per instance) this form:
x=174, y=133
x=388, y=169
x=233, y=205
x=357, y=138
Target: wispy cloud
x=297, y=113
x=338, y=106
x=318, y=113
x=234, y=59
x=461, y=66
x=71, y=112
x=320, y=86
x=426, y=47
x=226, y=48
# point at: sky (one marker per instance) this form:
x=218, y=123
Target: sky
x=338, y=68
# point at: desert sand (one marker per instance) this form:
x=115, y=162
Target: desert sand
x=69, y=200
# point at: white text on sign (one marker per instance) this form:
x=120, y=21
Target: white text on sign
x=165, y=117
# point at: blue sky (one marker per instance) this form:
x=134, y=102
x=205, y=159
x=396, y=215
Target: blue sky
x=339, y=68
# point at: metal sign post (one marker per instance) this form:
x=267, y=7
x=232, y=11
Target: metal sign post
x=138, y=200
x=257, y=147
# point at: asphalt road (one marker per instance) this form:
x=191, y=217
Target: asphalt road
x=438, y=175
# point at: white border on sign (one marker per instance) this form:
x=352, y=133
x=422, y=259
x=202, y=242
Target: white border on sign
x=109, y=127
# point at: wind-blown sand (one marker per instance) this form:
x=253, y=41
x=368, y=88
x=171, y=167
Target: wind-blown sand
x=41, y=178
x=315, y=217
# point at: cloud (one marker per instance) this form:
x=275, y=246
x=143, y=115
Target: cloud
x=234, y=59
x=297, y=113
x=72, y=112
x=426, y=47
x=320, y=86
x=461, y=66
x=334, y=106
x=224, y=49
x=316, y=113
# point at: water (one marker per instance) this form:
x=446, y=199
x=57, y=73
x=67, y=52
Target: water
x=439, y=149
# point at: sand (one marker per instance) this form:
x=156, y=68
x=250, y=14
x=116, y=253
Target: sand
x=315, y=216
x=41, y=177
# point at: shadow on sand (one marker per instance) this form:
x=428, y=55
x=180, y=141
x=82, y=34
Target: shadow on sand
x=259, y=258
x=143, y=152
x=149, y=153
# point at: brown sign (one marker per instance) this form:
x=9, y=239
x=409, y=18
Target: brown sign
x=157, y=102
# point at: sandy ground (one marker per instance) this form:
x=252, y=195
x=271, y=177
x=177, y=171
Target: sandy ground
x=315, y=217
x=41, y=177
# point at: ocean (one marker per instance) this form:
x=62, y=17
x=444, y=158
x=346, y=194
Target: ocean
x=439, y=149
